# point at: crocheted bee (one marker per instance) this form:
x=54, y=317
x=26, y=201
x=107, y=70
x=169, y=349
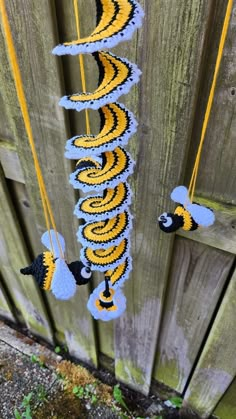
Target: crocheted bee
x=53, y=273
x=187, y=216
x=106, y=301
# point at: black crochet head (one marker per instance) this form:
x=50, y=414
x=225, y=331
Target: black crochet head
x=169, y=222
x=82, y=273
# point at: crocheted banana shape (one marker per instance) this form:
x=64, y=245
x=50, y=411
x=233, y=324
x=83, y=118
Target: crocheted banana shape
x=117, y=126
x=116, y=22
x=91, y=176
x=116, y=77
x=103, y=165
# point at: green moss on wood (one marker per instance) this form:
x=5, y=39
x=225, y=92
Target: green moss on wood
x=130, y=374
x=168, y=373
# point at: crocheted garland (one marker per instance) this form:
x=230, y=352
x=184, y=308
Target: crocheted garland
x=103, y=164
x=187, y=216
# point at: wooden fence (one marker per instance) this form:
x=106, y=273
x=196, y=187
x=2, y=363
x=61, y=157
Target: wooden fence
x=179, y=326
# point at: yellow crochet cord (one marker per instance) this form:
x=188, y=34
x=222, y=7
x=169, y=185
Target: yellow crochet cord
x=81, y=62
x=210, y=99
x=48, y=214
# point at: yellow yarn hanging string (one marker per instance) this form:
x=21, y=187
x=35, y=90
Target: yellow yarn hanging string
x=193, y=180
x=48, y=214
x=81, y=62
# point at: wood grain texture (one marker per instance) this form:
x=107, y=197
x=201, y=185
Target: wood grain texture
x=26, y=217
x=5, y=310
x=222, y=234
x=13, y=256
x=217, y=365
x=226, y=409
x=198, y=274
x=10, y=162
x=42, y=78
x=169, y=57
x=217, y=174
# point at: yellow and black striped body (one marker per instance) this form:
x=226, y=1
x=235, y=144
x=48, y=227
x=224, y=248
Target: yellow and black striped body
x=188, y=222
x=42, y=269
x=105, y=300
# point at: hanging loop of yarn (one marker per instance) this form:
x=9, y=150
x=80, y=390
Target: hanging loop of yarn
x=224, y=32
x=47, y=209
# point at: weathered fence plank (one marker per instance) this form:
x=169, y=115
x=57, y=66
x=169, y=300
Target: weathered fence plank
x=222, y=234
x=5, y=310
x=198, y=274
x=217, y=365
x=10, y=162
x=43, y=89
x=169, y=57
x=226, y=408
x=13, y=256
x=217, y=174
x=25, y=214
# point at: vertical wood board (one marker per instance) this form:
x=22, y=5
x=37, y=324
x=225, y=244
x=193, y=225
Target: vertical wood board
x=226, y=409
x=197, y=277
x=5, y=310
x=222, y=234
x=217, y=172
x=217, y=365
x=13, y=256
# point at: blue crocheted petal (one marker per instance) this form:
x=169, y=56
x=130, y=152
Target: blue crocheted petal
x=126, y=18
x=180, y=195
x=120, y=274
x=118, y=125
x=102, y=313
x=118, y=165
x=45, y=240
x=105, y=259
x=104, y=234
x=119, y=76
x=63, y=284
x=203, y=216
x=98, y=208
